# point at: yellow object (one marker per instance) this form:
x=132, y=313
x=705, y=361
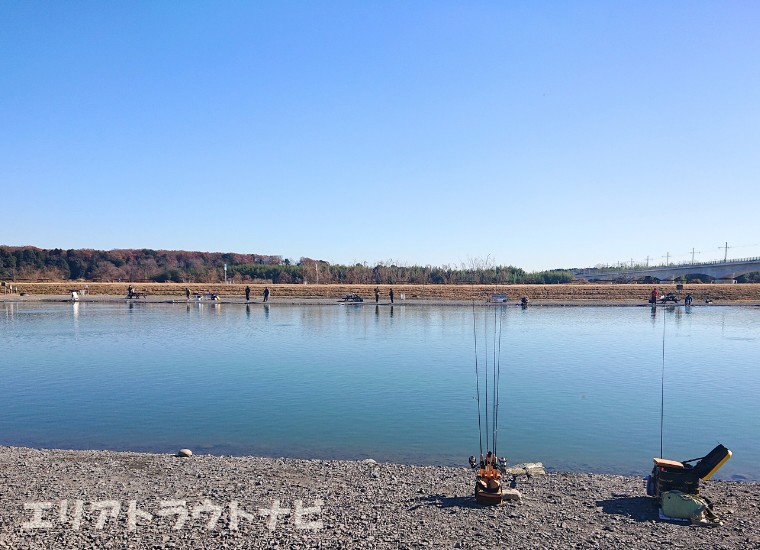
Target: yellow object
x=711, y=472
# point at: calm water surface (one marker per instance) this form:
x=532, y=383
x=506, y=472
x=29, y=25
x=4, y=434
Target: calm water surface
x=580, y=387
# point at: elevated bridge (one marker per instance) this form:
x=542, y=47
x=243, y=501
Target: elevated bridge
x=721, y=270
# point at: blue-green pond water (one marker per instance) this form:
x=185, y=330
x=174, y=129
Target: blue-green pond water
x=580, y=387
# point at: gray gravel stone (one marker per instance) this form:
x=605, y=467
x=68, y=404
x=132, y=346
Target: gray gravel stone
x=142, y=501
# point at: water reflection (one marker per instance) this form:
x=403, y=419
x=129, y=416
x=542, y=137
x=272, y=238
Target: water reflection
x=377, y=311
x=574, y=379
x=10, y=309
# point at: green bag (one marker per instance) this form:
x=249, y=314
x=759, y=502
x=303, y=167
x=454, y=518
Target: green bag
x=676, y=504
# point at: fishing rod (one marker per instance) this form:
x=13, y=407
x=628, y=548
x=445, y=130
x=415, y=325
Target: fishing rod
x=662, y=386
x=495, y=389
x=497, y=379
x=477, y=375
x=488, y=487
x=491, y=405
x=485, y=345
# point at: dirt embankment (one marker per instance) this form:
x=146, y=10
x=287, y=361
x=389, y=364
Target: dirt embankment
x=719, y=293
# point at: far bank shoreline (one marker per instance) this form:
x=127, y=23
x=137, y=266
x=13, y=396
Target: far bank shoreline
x=537, y=295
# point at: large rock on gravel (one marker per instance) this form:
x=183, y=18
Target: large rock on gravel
x=530, y=468
x=511, y=494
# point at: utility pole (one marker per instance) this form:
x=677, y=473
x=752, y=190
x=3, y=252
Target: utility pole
x=667, y=258
x=692, y=255
x=647, y=261
x=725, y=257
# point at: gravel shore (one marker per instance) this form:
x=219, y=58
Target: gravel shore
x=103, y=499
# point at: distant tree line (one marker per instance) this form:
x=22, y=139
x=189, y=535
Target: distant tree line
x=30, y=263
x=34, y=264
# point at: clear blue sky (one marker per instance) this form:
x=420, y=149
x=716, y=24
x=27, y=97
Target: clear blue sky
x=536, y=134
